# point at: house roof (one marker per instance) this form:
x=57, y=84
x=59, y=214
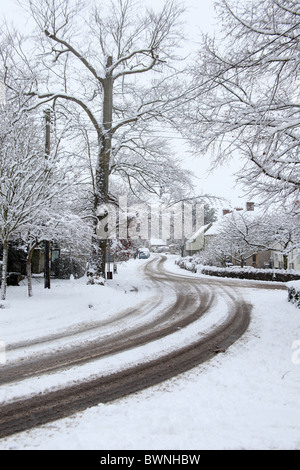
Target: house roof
x=203, y=229
x=214, y=229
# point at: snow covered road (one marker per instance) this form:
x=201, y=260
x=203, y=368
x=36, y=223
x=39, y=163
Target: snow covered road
x=247, y=397
x=149, y=323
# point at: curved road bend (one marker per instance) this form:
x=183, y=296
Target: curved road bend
x=184, y=310
x=194, y=297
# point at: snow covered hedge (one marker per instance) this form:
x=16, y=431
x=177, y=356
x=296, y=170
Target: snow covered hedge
x=65, y=266
x=248, y=272
x=294, y=292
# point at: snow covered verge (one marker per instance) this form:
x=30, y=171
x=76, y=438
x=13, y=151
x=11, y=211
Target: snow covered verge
x=245, y=398
x=192, y=263
x=68, y=304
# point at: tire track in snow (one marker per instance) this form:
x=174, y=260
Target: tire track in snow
x=37, y=410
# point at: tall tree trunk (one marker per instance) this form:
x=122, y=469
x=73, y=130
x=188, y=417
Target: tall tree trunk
x=4, y=270
x=99, y=245
x=29, y=271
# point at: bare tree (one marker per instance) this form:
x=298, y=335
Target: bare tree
x=148, y=169
x=96, y=58
x=57, y=224
x=240, y=234
x=26, y=178
x=245, y=98
x=141, y=164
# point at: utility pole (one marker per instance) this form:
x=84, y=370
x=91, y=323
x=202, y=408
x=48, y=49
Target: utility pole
x=47, y=243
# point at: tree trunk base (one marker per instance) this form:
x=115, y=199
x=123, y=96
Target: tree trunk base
x=96, y=272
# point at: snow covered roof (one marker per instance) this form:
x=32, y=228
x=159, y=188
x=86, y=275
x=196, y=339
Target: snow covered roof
x=203, y=229
x=250, y=211
x=213, y=229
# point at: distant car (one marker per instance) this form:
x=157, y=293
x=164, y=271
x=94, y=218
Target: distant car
x=228, y=264
x=144, y=253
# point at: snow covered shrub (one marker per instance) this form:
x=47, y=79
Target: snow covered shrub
x=187, y=263
x=66, y=266
x=294, y=293
x=248, y=272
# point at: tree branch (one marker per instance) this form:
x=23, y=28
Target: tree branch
x=75, y=53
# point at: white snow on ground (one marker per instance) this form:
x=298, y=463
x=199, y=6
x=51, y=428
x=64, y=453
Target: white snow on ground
x=245, y=398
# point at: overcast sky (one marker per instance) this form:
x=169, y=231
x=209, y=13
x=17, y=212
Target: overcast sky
x=200, y=18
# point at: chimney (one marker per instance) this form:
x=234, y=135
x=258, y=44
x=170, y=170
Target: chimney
x=226, y=211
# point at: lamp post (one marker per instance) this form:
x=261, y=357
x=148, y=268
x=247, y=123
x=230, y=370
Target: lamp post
x=47, y=264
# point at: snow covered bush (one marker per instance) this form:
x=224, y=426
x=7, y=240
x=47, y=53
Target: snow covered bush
x=66, y=266
x=294, y=293
x=188, y=263
x=248, y=272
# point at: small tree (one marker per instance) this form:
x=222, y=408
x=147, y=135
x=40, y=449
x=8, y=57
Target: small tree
x=57, y=225
x=240, y=234
x=284, y=233
x=29, y=182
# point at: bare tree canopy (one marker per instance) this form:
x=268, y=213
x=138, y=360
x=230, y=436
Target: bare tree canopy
x=246, y=95
x=111, y=61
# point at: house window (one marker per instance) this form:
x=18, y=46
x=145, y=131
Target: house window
x=55, y=254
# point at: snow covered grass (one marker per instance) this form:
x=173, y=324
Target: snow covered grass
x=67, y=304
x=245, y=398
